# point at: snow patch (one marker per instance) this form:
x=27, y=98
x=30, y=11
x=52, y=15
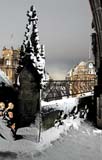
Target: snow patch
x=97, y=131
x=47, y=137
x=54, y=133
x=65, y=104
x=3, y=78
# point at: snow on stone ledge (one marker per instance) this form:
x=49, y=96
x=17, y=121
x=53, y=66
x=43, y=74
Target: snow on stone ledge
x=65, y=104
x=87, y=94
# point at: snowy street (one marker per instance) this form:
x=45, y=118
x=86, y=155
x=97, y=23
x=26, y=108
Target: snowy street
x=82, y=143
x=75, y=139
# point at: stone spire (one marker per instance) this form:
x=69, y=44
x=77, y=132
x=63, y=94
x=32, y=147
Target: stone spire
x=31, y=45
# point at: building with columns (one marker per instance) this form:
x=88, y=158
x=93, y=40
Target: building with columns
x=82, y=78
x=9, y=62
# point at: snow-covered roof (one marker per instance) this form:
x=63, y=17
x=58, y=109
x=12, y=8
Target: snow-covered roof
x=3, y=78
x=69, y=73
x=82, y=63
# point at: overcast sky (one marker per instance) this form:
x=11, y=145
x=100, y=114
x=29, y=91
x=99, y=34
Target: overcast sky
x=64, y=27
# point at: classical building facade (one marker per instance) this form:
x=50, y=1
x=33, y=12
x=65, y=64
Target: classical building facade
x=82, y=78
x=9, y=62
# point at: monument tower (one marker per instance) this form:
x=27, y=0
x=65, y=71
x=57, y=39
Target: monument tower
x=30, y=73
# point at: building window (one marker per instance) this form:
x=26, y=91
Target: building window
x=16, y=62
x=7, y=62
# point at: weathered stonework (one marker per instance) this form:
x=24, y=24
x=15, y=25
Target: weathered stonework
x=28, y=97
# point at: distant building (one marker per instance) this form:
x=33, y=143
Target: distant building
x=82, y=78
x=9, y=62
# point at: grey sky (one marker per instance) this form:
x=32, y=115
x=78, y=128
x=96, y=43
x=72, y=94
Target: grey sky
x=64, y=28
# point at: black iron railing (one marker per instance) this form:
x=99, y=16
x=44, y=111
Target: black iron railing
x=59, y=88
